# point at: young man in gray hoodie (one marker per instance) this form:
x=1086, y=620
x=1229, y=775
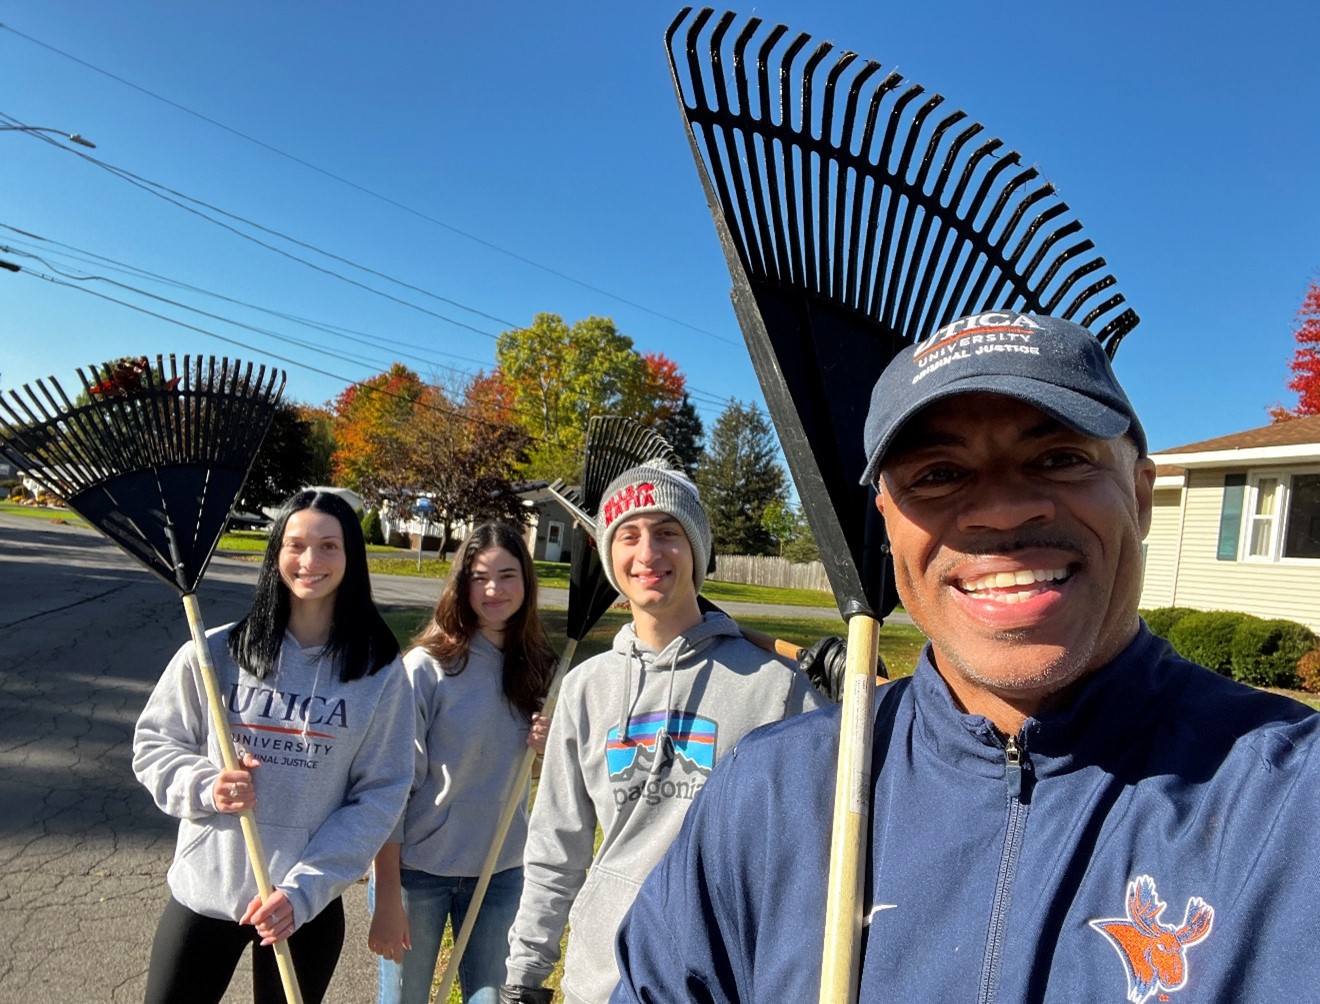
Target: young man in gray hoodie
x=635, y=734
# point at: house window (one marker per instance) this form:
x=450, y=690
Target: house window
x=1281, y=516
x=1260, y=528
x=1301, y=538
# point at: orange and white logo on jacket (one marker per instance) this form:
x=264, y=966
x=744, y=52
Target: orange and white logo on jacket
x=1154, y=954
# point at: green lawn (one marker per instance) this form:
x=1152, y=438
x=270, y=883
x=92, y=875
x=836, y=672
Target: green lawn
x=50, y=513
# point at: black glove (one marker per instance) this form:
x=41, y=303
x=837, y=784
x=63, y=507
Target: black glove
x=510, y=994
x=825, y=664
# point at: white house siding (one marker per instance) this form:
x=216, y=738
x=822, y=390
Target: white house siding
x=1267, y=589
x=1157, y=585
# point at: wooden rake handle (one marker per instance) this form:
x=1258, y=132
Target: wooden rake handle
x=788, y=649
x=511, y=802
x=251, y=835
x=852, y=797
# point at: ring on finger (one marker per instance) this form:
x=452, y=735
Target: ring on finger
x=233, y=791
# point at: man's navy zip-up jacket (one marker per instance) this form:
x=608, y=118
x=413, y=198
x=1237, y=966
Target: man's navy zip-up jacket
x=1158, y=840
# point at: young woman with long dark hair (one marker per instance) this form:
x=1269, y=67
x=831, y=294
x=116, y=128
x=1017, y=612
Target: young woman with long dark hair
x=319, y=705
x=480, y=669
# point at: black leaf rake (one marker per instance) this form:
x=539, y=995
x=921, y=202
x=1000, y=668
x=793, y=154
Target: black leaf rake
x=857, y=215
x=154, y=456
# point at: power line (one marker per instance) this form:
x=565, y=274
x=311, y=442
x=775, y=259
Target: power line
x=697, y=394
x=284, y=359
x=372, y=193
x=75, y=282
x=362, y=337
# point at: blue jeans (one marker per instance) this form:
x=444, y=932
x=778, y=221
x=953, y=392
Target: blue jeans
x=429, y=901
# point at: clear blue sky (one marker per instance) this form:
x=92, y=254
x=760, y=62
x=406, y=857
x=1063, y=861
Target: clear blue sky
x=1183, y=136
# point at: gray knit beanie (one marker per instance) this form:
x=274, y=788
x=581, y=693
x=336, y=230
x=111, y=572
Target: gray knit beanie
x=654, y=487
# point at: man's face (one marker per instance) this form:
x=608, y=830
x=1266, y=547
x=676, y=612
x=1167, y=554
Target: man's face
x=1016, y=543
x=652, y=562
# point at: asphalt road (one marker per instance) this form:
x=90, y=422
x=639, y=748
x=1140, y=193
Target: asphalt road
x=84, y=634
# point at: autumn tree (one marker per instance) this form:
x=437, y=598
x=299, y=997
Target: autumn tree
x=739, y=477
x=560, y=375
x=370, y=425
x=402, y=440
x=1305, y=364
x=463, y=461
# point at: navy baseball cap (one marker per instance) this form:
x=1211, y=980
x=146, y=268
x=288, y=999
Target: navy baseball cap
x=1052, y=364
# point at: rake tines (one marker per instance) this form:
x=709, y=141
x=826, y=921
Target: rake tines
x=861, y=193
x=153, y=459
x=615, y=444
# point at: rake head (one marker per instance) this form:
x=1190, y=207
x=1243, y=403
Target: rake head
x=153, y=456
x=856, y=217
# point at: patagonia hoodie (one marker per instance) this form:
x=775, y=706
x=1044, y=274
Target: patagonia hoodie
x=634, y=736
x=336, y=765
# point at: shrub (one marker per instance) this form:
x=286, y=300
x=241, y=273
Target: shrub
x=1161, y=620
x=1308, y=671
x=1265, y=653
x=371, y=527
x=1206, y=636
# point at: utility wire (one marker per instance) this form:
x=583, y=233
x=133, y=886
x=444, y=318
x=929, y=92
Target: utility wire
x=173, y=197
x=89, y=257
x=284, y=359
x=374, y=194
x=74, y=282
x=697, y=394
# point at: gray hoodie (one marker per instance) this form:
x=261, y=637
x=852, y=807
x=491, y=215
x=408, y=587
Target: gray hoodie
x=470, y=744
x=633, y=738
x=336, y=764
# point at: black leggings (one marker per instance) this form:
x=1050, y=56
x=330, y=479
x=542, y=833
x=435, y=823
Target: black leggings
x=193, y=957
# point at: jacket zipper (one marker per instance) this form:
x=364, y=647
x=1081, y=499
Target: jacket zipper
x=1016, y=827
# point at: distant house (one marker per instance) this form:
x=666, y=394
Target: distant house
x=550, y=536
x=1236, y=524
x=548, y=532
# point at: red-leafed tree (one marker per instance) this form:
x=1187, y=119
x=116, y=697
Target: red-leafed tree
x=399, y=441
x=371, y=420
x=1305, y=364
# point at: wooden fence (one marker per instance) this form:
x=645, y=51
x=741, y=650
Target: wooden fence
x=763, y=571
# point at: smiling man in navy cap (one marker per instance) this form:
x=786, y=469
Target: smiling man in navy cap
x=1062, y=808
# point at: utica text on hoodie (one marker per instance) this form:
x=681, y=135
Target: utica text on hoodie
x=336, y=765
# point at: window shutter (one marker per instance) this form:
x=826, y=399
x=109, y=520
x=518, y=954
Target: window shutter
x=1230, y=516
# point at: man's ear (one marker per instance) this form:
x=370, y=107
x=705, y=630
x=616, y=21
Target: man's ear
x=1143, y=478
x=880, y=494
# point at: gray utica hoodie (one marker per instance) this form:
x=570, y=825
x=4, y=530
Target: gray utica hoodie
x=632, y=740
x=336, y=765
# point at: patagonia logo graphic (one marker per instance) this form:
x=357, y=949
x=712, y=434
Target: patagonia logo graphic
x=1154, y=954
x=690, y=738
x=660, y=756
x=625, y=499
